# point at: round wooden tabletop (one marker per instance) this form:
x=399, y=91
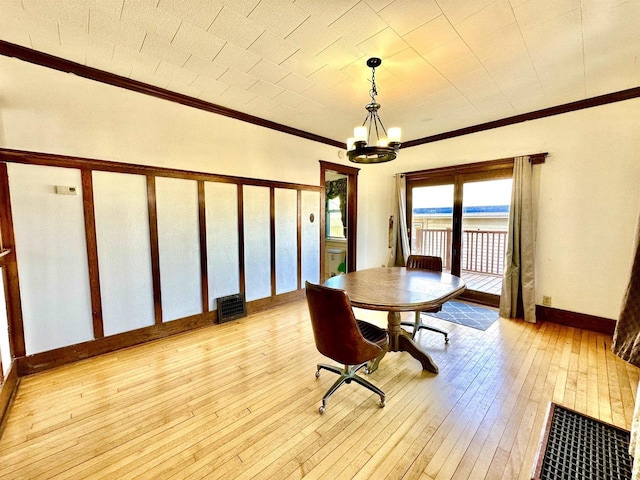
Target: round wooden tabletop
x=397, y=289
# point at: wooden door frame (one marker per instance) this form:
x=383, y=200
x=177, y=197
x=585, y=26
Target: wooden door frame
x=352, y=212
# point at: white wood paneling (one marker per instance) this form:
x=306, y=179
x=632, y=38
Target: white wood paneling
x=124, y=252
x=52, y=257
x=179, y=245
x=257, y=242
x=310, y=236
x=221, y=200
x=286, y=211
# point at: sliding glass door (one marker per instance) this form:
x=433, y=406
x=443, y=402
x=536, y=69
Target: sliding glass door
x=463, y=219
x=485, y=219
x=432, y=222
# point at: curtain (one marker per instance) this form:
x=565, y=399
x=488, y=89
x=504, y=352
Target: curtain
x=338, y=188
x=400, y=245
x=518, y=286
x=626, y=343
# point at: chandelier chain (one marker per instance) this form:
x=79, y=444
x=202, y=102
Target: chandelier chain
x=374, y=89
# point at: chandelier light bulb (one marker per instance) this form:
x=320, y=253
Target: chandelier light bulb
x=360, y=134
x=394, y=134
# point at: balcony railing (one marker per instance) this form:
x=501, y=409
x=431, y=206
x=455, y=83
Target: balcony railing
x=483, y=251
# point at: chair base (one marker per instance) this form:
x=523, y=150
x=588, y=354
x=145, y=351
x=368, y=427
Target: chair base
x=348, y=374
x=418, y=325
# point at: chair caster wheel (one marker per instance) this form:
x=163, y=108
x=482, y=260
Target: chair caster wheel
x=318, y=374
x=321, y=410
x=382, y=403
x=446, y=339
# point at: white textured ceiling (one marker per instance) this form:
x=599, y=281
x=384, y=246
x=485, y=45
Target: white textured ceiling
x=447, y=64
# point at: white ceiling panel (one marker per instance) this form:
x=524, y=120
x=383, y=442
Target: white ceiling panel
x=447, y=64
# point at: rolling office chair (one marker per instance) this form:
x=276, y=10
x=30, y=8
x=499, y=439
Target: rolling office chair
x=343, y=338
x=425, y=262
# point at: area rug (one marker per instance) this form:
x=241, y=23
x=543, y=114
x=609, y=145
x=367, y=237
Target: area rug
x=466, y=314
x=578, y=447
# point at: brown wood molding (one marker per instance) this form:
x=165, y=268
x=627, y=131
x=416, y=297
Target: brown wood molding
x=61, y=356
x=241, y=277
x=576, y=320
x=155, y=248
x=352, y=212
x=92, y=253
x=66, y=161
x=10, y=263
x=28, y=365
x=524, y=117
x=204, y=267
x=271, y=302
x=56, y=63
x=299, y=235
x=272, y=239
x=8, y=390
x=471, y=168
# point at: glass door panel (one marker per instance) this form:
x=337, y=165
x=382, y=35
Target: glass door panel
x=485, y=219
x=432, y=222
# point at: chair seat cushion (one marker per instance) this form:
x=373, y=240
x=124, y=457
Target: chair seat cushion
x=373, y=333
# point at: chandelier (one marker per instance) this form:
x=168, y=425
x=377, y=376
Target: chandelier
x=359, y=148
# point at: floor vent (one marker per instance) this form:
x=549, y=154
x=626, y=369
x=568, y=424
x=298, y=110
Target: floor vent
x=231, y=307
x=579, y=447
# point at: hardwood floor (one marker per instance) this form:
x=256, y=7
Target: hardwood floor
x=240, y=400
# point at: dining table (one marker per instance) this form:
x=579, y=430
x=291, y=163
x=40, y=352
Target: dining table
x=396, y=290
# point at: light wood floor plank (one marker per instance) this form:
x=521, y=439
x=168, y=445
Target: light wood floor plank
x=239, y=401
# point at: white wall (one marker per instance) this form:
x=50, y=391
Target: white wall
x=45, y=110
x=588, y=199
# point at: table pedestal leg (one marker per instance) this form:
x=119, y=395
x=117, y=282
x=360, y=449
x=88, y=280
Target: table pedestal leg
x=401, y=341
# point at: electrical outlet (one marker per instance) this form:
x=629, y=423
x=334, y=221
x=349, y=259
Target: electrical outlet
x=546, y=300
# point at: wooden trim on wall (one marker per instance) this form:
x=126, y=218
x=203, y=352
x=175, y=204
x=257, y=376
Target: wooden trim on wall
x=352, y=213
x=576, y=320
x=299, y=237
x=204, y=267
x=56, y=63
x=33, y=363
x=155, y=249
x=8, y=390
x=61, y=356
x=66, y=161
x=10, y=260
x=525, y=117
x=470, y=168
x=241, y=276
x=272, y=238
x=92, y=252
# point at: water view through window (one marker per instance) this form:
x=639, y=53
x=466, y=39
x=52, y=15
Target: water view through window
x=484, y=220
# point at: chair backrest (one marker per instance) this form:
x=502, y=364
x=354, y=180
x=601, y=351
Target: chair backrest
x=424, y=262
x=335, y=329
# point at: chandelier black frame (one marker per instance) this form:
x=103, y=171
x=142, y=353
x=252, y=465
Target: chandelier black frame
x=387, y=145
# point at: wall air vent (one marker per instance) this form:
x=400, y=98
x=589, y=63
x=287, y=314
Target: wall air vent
x=231, y=307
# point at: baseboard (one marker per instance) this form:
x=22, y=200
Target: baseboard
x=7, y=393
x=39, y=362
x=577, y=320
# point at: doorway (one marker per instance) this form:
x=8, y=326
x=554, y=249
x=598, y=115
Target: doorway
x=463, y=218
x=338, y=219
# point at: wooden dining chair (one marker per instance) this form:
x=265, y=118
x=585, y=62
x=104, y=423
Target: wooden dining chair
x=340, y=336
x=425, y=262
